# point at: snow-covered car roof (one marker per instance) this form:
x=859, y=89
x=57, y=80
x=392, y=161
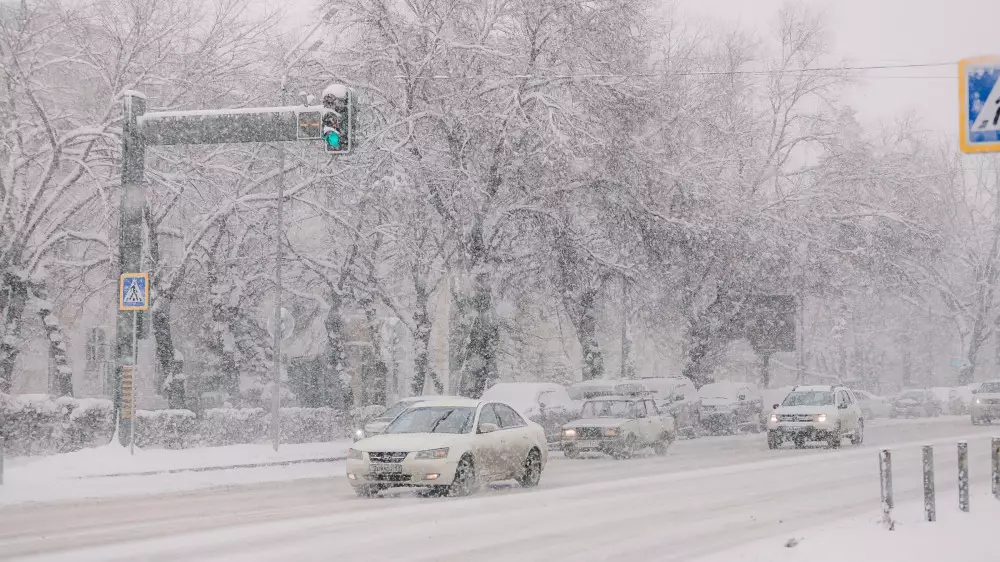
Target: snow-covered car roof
x=617, y=397
x=452, y=401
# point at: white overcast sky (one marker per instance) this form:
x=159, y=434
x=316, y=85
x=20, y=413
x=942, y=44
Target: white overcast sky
x=864, y=32
x=871, y=32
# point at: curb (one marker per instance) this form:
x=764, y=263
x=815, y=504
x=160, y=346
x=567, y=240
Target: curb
x=211, y=468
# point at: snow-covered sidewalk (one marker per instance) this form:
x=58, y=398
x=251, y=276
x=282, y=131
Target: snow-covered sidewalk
x=111, y=470
x=954, y=536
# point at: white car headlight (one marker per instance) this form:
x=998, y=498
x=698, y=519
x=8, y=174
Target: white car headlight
x=359, y=434
x=774, y=418
x=441, y=453
x=979, y=401
x=569, y=434
x=821, y=418
x=355, y=454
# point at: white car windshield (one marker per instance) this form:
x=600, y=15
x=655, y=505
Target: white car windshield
x=917, y=395
x=809, y=398
x=990, y=387
x=395, y=409
x=607, y=409
x=436, y=419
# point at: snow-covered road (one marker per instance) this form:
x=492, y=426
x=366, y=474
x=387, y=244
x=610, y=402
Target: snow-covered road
x=706, y=496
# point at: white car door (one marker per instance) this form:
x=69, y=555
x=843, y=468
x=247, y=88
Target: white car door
x=517, y=438
x=488, y=447
x=655, y=422
x=644, y=421
x=848, y=421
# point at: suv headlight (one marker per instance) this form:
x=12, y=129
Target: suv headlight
x=569, y=434
x=774, y=418
x=359, y=434
x=821, y=418
x=355, y=454
x=441, y=453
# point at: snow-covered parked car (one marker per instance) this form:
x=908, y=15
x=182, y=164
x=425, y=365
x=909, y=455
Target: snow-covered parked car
x=377, y=423
x=986, y=403
x=816, y=413
x=916, y=403
x=619, y=426
x=728, y=407
x=545, y=403
x=873, y=406
x=450, y=446
x=678, y=397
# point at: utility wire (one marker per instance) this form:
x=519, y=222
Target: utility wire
x=702, y=72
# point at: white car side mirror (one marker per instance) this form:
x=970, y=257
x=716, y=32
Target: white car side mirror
x=488, y=427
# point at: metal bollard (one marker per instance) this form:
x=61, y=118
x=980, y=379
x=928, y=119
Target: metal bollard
x=930, y=511
x=3, y=445
x=885, y=475
x=995, y=477
x=963, y=476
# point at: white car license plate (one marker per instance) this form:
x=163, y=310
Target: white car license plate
x=386, y=468
x=587, y=444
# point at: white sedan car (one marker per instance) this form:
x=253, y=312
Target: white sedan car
x=451, y=446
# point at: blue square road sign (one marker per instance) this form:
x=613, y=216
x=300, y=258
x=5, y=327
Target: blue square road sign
x=979, y=104
x=133, y=291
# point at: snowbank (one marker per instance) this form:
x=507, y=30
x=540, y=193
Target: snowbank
x=954, y=536
x=83, y=473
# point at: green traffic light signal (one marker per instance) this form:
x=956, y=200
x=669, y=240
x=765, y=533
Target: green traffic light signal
x=333, y=139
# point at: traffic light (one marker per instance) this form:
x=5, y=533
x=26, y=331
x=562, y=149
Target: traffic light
x=338, y=119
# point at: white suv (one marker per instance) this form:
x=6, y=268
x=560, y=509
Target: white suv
x=816, y=413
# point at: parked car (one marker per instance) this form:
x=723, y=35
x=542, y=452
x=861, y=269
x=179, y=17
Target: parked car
x=816, y=413
x=678, y=397
x=545, y=403
x=619, y=426
x=916, y=403
x=986, y=403
x=728, y=407
x=450, y=446
x=873, y=406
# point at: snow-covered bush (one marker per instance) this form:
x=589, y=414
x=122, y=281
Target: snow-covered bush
x=168, y=429
x=35, y=424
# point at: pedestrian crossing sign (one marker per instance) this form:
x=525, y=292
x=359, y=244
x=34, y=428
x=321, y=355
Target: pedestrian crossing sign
x=979, y=99
x=133, y=291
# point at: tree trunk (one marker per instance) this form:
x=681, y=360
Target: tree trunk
x=628, y=360
x=62, y=382
x=335, y=385
x=171, y=379
x=10, y=346
x=593, y=357
x=480, y=361
x=374, y=383
x=422, y=341
x=906, y=353
x=764, y=369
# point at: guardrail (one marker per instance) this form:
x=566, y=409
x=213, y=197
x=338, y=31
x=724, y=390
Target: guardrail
x=930, y=501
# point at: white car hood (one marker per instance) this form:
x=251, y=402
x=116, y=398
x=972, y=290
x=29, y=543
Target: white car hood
x=808, y=410
x=408, y=442
x=596, y=422
x=375, y=427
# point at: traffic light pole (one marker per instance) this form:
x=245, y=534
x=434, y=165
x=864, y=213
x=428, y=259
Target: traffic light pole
x=276, y=342
x=133, y=202
x=141, y=129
